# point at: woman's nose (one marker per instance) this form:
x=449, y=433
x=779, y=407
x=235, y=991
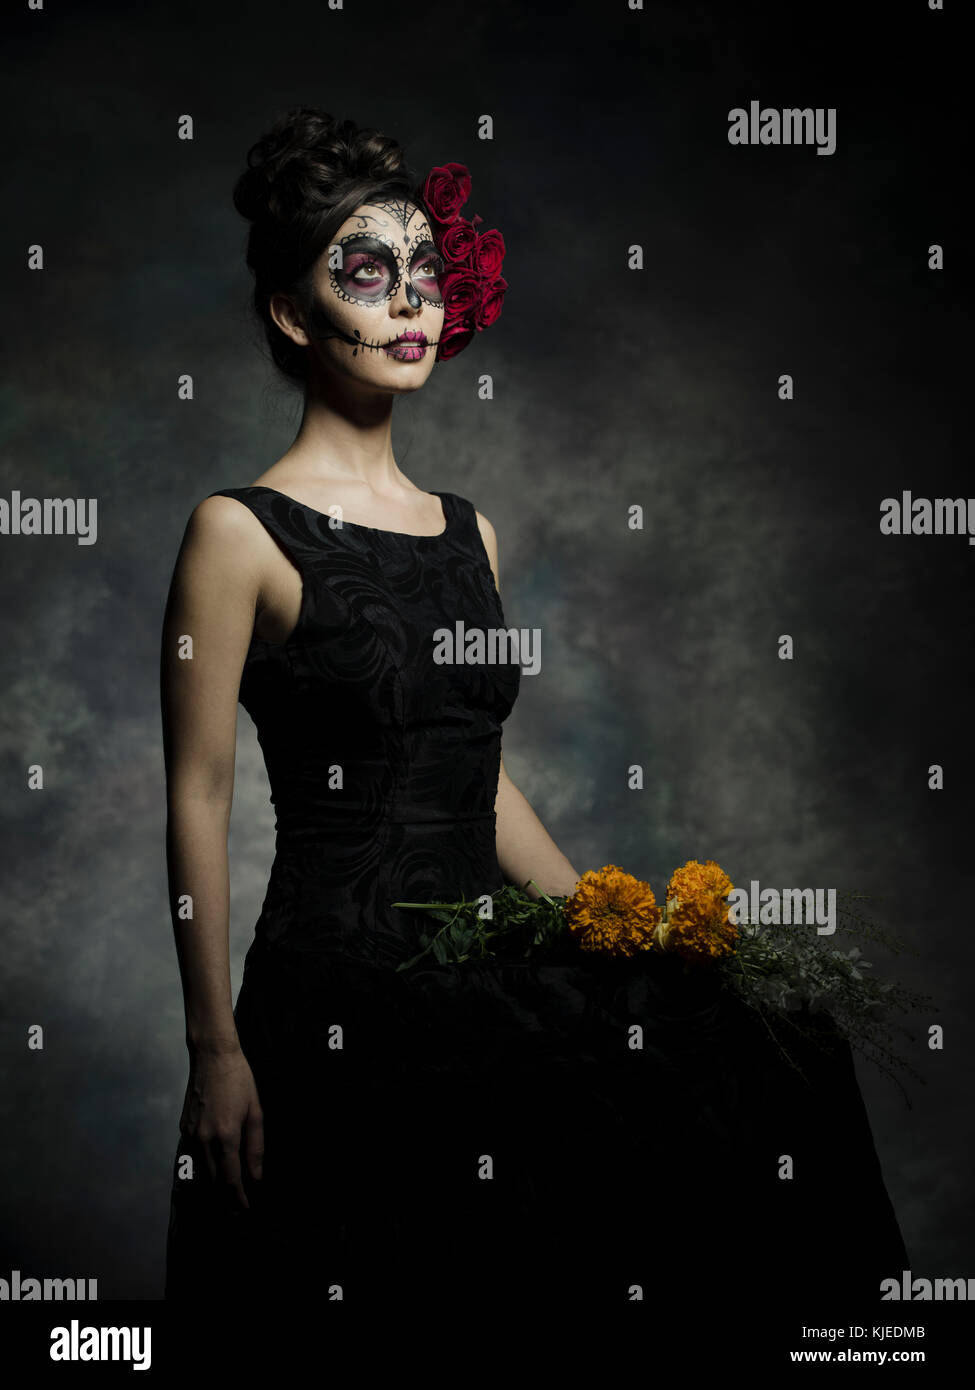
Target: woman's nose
x=405, y=295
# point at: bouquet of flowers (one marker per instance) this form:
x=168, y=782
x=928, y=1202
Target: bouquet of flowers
x=783, y=971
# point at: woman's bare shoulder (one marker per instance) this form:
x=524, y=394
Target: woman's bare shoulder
x=490, y=538
x=220, y=521
x=223, y=538
x=488, y=533
x=219, y=512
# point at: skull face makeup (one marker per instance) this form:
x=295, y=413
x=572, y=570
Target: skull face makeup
x=389, y=238
x=376, y=307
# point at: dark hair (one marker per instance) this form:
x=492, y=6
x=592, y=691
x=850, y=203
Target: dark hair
x=304, y=177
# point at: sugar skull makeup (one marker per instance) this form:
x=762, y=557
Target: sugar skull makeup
x=384, y=247
x=384, y=288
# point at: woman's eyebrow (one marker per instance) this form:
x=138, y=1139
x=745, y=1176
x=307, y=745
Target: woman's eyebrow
x=420, y=243
x=369, y=239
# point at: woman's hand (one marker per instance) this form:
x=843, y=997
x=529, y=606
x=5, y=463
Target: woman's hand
x=222, y=1116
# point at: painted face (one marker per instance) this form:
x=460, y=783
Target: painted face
x=389, y=241
x=378, y=306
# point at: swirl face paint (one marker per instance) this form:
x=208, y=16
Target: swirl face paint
x=386, y=260
x=373, y=263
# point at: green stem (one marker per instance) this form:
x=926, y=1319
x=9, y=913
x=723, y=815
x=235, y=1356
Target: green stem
x=462, y=903
x=541, y=892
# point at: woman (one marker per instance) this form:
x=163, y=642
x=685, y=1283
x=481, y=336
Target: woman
x=478, y=1131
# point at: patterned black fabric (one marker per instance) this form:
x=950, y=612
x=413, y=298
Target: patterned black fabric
x=613, y=1165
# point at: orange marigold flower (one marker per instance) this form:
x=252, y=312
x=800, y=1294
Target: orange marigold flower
x=612, y=912
x=697, y=926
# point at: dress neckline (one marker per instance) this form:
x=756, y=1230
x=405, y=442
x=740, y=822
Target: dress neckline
x=357, y=526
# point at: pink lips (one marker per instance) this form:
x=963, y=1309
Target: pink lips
x=409, y=346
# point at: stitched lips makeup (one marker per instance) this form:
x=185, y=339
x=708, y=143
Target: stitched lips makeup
x=408, y=347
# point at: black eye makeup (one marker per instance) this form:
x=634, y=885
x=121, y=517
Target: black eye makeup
x=426, y=269
x=371, y=270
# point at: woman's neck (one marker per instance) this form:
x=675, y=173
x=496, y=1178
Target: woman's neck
x=346, y=433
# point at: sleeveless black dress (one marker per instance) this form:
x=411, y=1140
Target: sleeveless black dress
x=501, y=1135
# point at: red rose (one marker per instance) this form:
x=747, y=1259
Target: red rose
x=489, y=308
x=457, y=240
x=470, y=282
x=445, y=191
x=461, y=290
x=488, y=254
x=454, y=338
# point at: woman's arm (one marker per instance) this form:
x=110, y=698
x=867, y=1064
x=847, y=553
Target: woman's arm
x=206, y=633
x=525, y=848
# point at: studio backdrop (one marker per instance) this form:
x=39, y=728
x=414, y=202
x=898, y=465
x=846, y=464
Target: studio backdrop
x=717, y=428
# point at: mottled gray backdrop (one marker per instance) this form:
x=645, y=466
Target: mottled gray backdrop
x=611, y=387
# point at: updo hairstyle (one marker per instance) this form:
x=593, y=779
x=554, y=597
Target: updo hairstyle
x=304, y=177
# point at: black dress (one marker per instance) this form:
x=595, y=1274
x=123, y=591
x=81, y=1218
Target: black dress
x=580, y=1133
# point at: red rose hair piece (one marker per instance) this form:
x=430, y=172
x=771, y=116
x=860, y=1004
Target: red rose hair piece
x=472, y=285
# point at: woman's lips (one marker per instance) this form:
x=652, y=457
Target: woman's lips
x=410, y=347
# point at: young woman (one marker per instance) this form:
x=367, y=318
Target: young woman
x=478, y=1131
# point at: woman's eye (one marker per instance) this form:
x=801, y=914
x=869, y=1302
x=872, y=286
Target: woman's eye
x=427, y=275
x=367, y=266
